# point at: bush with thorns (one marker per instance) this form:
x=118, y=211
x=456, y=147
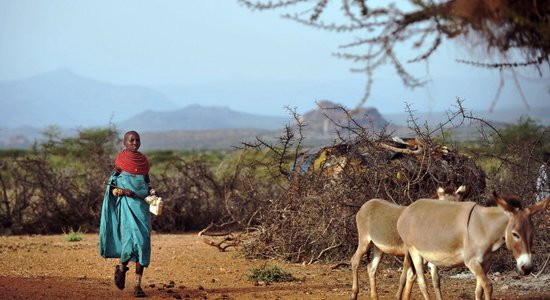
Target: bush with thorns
x=313, y=218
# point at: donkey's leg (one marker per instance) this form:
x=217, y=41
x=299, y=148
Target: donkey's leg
x=435, y=281
x=372, y=267
x=483, y=283
x=418, y=263
x=362, y=248
x=407, y=279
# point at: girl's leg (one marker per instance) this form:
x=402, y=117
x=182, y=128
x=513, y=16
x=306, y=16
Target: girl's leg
x=120, y=275
x=138, y=291
x=139, y=273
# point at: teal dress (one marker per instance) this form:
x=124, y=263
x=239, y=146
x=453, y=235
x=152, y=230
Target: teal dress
x=125, y=227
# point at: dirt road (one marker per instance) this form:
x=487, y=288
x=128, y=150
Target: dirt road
x=184, y=267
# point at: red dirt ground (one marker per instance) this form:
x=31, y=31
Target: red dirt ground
x=184, y=267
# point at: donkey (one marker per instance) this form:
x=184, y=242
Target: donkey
x=454, y=234
x=377, y=227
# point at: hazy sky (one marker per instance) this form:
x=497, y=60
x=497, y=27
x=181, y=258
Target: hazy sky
x=197, y=42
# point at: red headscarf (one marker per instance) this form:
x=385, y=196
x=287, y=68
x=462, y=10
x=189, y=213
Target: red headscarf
x=132, y=162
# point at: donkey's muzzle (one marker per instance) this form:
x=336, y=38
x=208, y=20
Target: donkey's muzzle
x=524, y=264
x=525, y=269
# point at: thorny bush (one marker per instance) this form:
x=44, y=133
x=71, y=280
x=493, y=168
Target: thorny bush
x=313, y=217
x=56, y=185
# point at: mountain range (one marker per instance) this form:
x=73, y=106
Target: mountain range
x=72, y=102
x=67, y=99
x=196, y=117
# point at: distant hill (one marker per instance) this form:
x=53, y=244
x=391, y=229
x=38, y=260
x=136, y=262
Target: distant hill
x=197, y=127
x=202, y=140
x=196, y=117
x=329, y=117
x=69, y=100
x=318, y=129
x=18, y=138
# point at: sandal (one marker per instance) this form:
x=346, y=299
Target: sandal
x=138, y=292
x=120, y=277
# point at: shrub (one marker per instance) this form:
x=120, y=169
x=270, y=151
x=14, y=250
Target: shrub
x=73, y=236
x=269, y=274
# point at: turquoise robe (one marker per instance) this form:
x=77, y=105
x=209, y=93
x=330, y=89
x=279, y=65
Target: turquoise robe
x=125, y=227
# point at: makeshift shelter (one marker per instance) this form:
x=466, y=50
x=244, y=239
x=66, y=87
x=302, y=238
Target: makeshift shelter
x=403, y=162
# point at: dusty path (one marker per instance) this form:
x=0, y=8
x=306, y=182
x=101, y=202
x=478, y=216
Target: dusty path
x=183, y=266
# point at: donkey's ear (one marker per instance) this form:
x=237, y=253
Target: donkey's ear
x=502, y=203
x=463, y=191
x=440, y=193
x=538, y=206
